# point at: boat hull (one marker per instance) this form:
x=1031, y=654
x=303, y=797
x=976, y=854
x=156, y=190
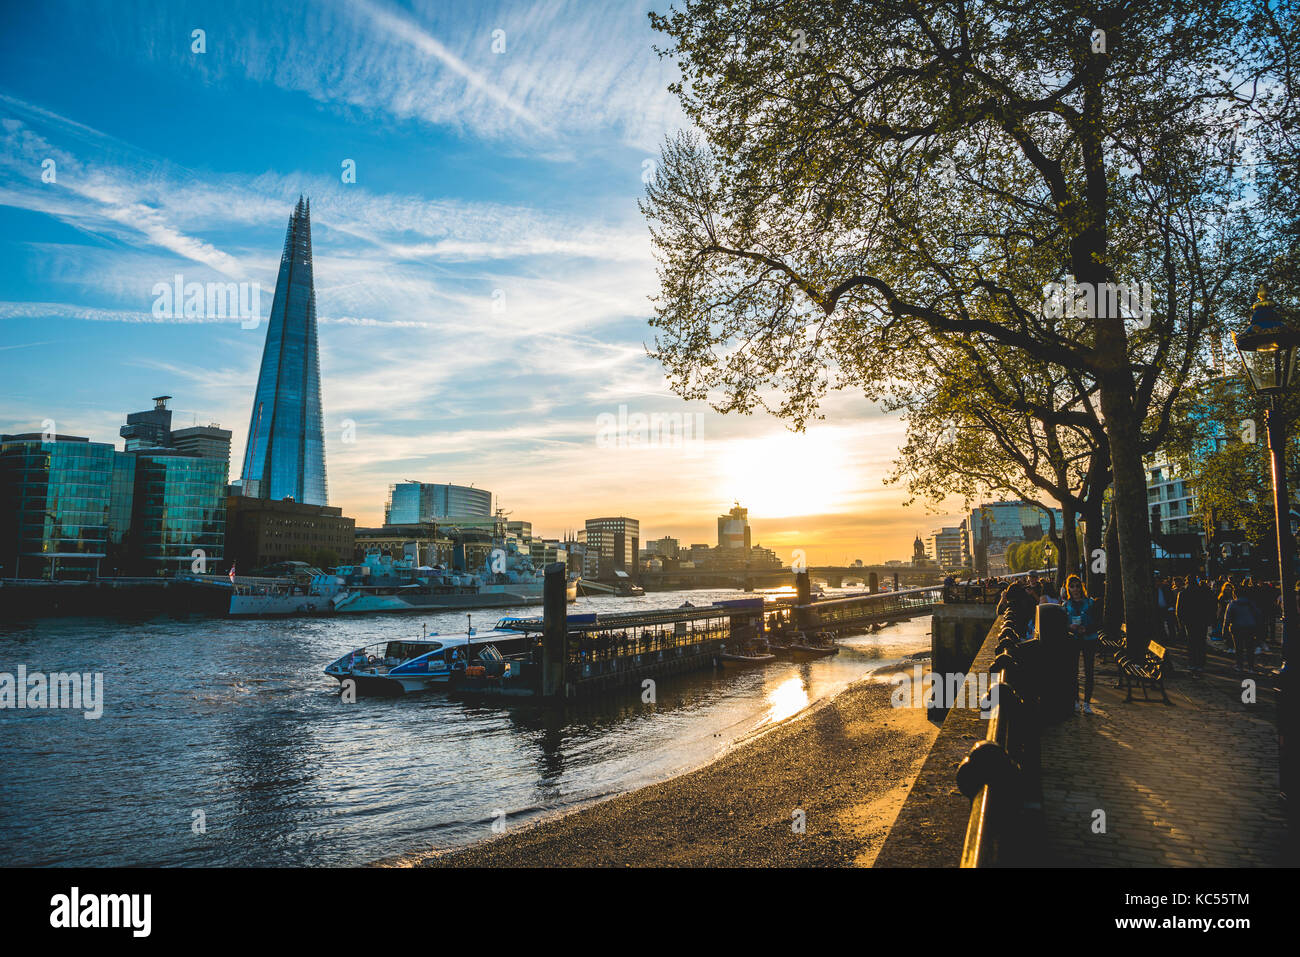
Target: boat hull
x=745, y=659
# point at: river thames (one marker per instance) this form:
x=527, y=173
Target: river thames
x=232, y=724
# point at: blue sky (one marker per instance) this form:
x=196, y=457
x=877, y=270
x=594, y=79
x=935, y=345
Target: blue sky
x=482, y=287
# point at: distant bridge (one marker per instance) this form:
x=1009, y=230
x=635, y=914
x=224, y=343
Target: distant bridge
x=833, y=575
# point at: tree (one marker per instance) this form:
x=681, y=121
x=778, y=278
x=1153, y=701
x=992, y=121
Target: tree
x=1219, y=448
x=1012, y=556
x=866, y=175
x=961, y=441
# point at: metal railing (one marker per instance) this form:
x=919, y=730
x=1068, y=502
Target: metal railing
x=992, y=774
x=833, y=612
x=985, y=592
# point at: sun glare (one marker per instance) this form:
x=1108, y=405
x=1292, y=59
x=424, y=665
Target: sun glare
x=787, y=474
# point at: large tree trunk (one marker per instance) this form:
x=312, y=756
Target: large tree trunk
x=1130, y=512
x=1069, y=559
x=1113, y=607
x=1093, y=537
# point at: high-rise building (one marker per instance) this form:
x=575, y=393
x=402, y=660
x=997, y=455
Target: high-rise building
x=285, y=456
x=413, y=503
x=59, y=495
x=949, y=546
x=733, y=528
x=614, y=542
x=667, y=547
x=205, y=441
x=993, y=525
x=178, y=512
x=150, y=429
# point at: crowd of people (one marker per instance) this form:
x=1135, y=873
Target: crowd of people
x=1193, y=610
x=1237, y=611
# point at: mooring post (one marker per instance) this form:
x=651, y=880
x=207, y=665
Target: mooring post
x=555, y=630
x=803, y=591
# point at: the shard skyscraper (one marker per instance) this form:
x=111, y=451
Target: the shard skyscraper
x=285, y=457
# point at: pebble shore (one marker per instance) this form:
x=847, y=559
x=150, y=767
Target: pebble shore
x=846, y=764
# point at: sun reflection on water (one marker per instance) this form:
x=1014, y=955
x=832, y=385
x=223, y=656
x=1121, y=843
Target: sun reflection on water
x=786, y=699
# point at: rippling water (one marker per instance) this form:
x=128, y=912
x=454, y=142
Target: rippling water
x=236, y=720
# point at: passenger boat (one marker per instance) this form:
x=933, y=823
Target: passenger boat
x=405, y=665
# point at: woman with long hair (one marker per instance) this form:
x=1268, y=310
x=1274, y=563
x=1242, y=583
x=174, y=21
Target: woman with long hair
x=1080, y=611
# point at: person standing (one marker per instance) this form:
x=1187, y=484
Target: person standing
x=1194, y=610
x=1080, y=612
x=1241, y=625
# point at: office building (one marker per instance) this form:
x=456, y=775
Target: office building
x=733, y=528
x=260, y=532
x=57, y=499
x=666, y=547
x=285, y=455
x=205, y=441
x=412, y=503
x=994, y=524
x=949, y=546
x=150, y=429
x=613, y=543
x=178, y=512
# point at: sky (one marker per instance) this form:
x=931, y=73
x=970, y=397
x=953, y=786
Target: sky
x=482, y=272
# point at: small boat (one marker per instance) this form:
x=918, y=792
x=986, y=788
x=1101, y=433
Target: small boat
x=820, y=645
x=745, y=659
x=813, y=651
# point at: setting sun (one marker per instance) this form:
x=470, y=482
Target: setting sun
x=787, y=474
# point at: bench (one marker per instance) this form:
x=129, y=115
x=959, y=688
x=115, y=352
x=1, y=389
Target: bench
x=1148, y=670
x=1110, y=648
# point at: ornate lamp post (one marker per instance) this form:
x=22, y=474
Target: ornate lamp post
x=1269, y=350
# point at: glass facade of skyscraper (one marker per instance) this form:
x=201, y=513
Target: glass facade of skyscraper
x=180, y=506
x=56, y=499
x=285, y=455
x=410, y=503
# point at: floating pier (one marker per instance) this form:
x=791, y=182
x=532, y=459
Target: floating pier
x=580, y=655
x=594, y=653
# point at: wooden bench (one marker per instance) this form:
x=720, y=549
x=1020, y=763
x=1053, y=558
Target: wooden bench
x=1147, y=670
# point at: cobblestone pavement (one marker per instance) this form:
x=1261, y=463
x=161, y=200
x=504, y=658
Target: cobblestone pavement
x=1190, y=783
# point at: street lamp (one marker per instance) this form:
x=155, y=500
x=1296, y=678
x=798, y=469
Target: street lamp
x=1269, y=349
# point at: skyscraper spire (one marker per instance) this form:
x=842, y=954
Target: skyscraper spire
x=285, y=457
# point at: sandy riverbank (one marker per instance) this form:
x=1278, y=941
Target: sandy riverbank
x=846, y=763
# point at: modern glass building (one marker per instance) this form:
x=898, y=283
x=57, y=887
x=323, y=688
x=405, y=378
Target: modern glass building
x=413, y=503
x=179, y=506
x=285, y=455
x=58, y=500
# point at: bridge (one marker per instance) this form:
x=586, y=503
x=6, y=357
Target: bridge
x=833, y=575
x=850, y=614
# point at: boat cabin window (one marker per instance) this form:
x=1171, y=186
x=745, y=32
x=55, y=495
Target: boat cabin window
x=409, y=649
